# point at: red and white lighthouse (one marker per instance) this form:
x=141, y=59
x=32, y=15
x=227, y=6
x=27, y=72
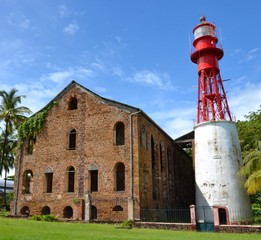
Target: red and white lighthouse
x=217, y=149
x=212, y=101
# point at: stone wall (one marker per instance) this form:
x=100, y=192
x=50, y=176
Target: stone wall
x=238, y=229
x=168, y=226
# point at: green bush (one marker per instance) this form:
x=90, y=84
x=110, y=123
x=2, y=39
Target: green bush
x=256, y=208
x=37, y=218
x=46, y=218
x=126, y=224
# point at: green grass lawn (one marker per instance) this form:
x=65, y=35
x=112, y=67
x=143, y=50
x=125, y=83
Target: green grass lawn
x=22, y=229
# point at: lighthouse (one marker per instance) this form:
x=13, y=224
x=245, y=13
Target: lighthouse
x=220, y=193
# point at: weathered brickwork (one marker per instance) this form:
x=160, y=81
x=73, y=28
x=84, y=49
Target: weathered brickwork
x=95, y=161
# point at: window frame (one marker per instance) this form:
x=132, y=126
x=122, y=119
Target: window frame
x=119, y=134
x=72, y=139
x=119, y=177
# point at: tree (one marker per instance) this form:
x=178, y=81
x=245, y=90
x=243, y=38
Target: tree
x=249, y=132
x=8, y=162
x=252, y=169
x=12, y=115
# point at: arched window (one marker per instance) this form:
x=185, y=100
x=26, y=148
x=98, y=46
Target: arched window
x=25, y=211
x=119, y=133
x=161, y=158
x=72, y=103
x=27, y=181
x=45, y=210
x=120, y=177
x=72, y=139
x=30, y=145
x=170, y=169
x=155, y=183
x=68, y=212
x=117, y=208
x=143, y=139
x=93, y=212
x=70, y=172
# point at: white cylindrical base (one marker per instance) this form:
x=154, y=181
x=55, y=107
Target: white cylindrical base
x=217, y=162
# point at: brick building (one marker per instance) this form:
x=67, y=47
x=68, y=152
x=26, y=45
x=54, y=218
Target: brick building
x=96, y=158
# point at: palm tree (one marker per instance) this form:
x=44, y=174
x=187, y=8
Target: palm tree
x=252, y=170
x=249, y=132
x=8, y=162
x=12, y=115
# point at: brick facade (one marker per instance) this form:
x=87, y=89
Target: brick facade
x=94, y=160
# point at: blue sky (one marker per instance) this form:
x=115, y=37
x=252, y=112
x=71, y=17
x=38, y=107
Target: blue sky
x=133, y=51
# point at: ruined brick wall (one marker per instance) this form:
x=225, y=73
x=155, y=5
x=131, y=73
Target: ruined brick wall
x=173, y=173
x=94, y=121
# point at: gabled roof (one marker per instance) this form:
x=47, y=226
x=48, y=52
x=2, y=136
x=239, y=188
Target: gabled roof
x=185, y=141
x=107, y=101
x=120, y=105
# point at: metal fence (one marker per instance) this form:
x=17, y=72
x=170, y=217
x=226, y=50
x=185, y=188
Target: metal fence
x=166, y=215
x=240, y=216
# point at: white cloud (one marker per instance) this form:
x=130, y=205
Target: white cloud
x=150, y=78
x=60, y=76
x=100, y=89
x=176, y=121
x=251, y=54
x=67, y=74
x=37, y=94
x=63, y=10
x=20, y=22
x=178, y=127
x=72, y=28
x=179, y=121
x=245, y=99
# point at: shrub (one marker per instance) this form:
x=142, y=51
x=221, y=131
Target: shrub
x=127, y=224
x=37, y=217
x=46, y=218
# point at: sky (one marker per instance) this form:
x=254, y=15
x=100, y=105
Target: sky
x=133, y=51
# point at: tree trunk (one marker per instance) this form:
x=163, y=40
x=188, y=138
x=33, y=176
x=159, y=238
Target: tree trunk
x=2, y=161
x=4, y=148
x=5, y=200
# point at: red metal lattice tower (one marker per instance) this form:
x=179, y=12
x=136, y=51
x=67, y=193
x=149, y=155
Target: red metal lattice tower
x=212, y=101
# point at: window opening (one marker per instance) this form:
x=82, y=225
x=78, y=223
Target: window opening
x=117, y=208
x=94, y=180
x=70, y=174
x=120, y=177
x=49, y=182
x=73, y=103
x=68, y=212
x=93, y=212
x=30, y=146
x=154, y=171
x=72, y=139
x=119, y=133
x=45, y=210
x=25, y=211
x=169, y=170
x=27, y=181
x=143, y=139
x=161, y=160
